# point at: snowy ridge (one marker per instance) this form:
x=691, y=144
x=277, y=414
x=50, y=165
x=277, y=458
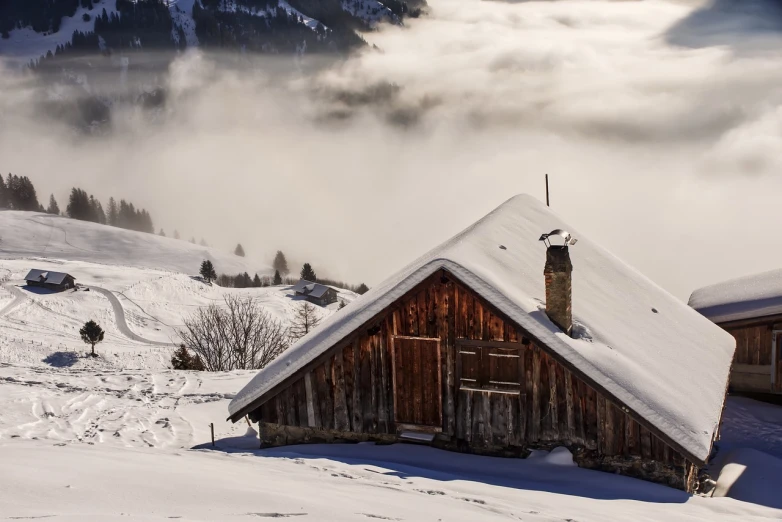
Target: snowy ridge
x=370, y=11
x=25, y=44
x=233, y=7
x=182, y=16
x=652, y=352
x=26, y=234
x=746, y=297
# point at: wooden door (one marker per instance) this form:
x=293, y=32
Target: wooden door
x=417, y=382
x=776, y=360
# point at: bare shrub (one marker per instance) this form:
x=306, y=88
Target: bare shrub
x=305, y=320
x=239, y=335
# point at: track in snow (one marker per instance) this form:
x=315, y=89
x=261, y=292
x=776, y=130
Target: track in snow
x=19, y=297
x=128, y=408
x=122, y=323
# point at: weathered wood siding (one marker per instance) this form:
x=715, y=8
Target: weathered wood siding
x=753, y=344
x=499, y=392
x=754, y=361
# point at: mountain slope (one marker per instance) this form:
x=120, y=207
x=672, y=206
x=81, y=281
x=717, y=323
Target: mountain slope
x=24, y=234
x=142, y=287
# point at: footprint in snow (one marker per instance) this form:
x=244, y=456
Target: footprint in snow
x=430, y=491
x=275, y=515
x=344, y=475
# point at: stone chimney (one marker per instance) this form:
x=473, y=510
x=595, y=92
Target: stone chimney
x=559, y=281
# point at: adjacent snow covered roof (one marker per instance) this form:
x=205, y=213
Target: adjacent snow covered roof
x=747, y=297
x=43, y=276
x=649, y=350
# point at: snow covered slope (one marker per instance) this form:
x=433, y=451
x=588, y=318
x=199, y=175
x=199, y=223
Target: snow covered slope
x=371, y=11
x=742, y=298
x=25, y=44
x=142, y=286
x=24, y=234
x=182, y=16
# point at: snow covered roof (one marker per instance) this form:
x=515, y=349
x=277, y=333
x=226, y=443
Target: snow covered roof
x=44, y=276
x=305, y=287
x=301, y=285
x=746, y=297
x=659, y=357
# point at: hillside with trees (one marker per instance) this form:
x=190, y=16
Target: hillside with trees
x=257, y=26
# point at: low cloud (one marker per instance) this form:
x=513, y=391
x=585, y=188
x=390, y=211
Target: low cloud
x=666, y=153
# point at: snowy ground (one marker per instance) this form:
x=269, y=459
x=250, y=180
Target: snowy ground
x=85, y=445
x=122, y=437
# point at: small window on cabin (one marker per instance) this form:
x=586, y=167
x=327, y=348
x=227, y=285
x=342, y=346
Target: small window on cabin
x=489, y=368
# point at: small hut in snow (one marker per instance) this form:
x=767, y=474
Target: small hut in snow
x=51, y=280
x=476, y=347
x=317, y=293
x=750, y=309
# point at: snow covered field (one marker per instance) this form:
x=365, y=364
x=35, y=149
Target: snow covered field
x=123, y=437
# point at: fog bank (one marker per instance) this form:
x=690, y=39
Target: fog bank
x=659, y=123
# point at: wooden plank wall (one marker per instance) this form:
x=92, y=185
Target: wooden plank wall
x=753, y=344
x=352, y=388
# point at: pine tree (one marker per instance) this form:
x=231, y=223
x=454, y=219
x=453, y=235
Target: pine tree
x=79, y=205
x=305, y=320
x=280, y=263
x=21, y=193
x=203, y=243
x=3, y=193
x=96, y=209
x=112, y=214
x=362, y=289
x=181, y=360
x=162, y=233
x=91, y=333
x=256, y=281
x=239, y=251
x=208, y=271
x=54, y=208
x=277, y=278
x=176, y=234
x=308, y=273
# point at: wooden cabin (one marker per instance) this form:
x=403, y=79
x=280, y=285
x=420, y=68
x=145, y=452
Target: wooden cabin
x=57, y=281
x=497, y=343
x=316, y=293
x=750, y=309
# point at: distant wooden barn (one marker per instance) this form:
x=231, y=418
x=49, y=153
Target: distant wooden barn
x=476, y=347
x=317, y=293
x=51, y=280
x=750, y=309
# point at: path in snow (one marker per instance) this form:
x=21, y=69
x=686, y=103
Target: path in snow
x=122, y=324
x=18, y=298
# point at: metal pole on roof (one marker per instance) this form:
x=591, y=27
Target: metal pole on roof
x=548, y=204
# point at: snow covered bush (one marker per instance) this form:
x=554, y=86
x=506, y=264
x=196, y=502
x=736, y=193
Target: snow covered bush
x=239, y=335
